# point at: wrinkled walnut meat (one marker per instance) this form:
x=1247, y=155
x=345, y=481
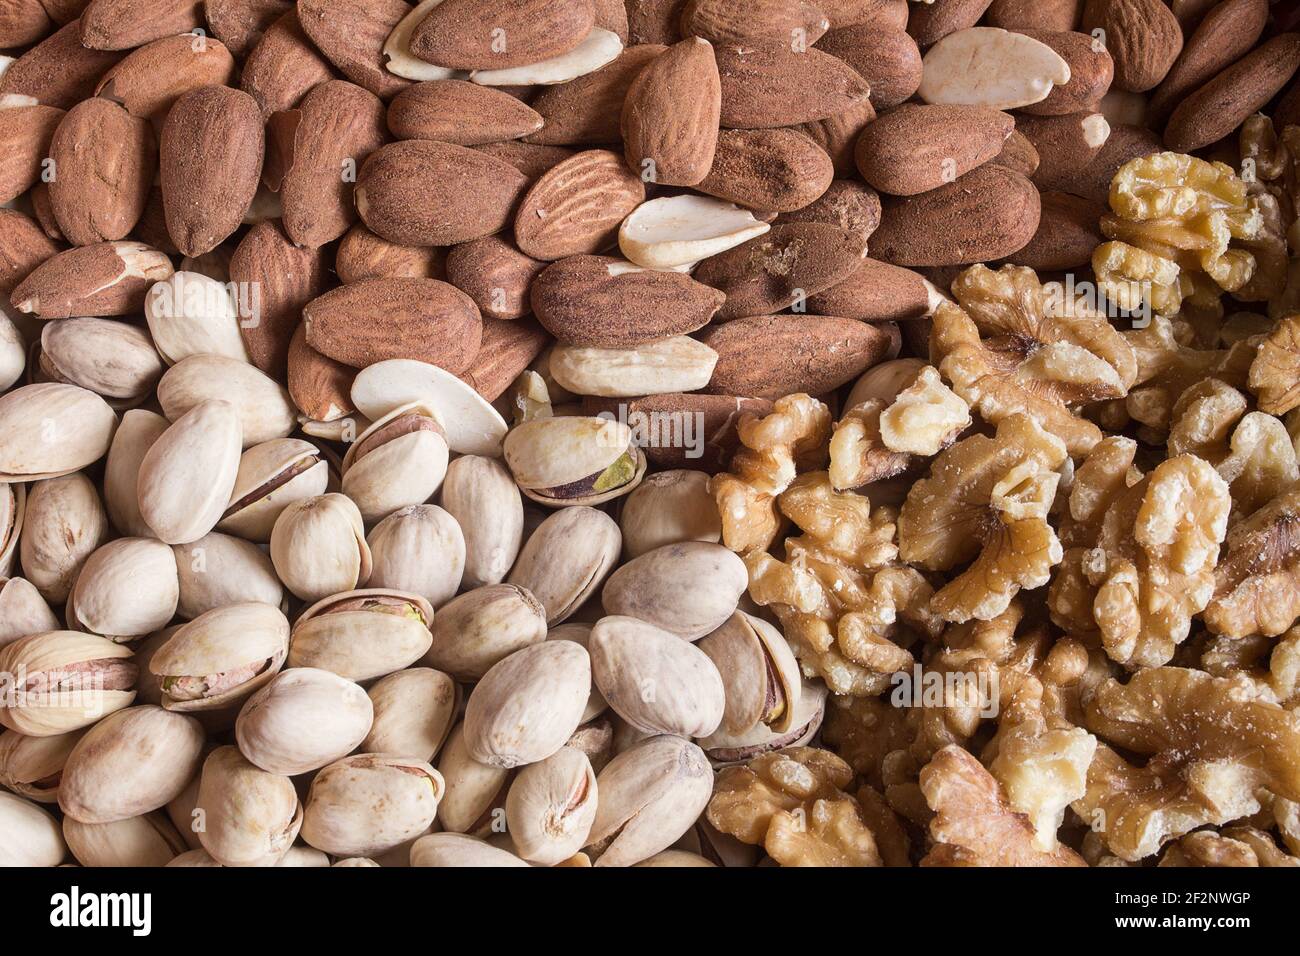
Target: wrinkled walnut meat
x=1233, y=847
x=1168, y=367
x=1257, y=580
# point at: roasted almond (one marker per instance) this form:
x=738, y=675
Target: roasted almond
x=847, y=204
x=1143, y=37
x=508, y=349
x=916, y=148
x=670, y=115
x=1091, y=73
x=239, y=24
x=889, y=60
x=1064, y=144
x=773, y=22
x=454, y=111
x=363, y=255
x=576, y=207
x=1034, y=14
x=655, y=21
x=351, y=34
x=58, y=71
x=838, y=135
x=1068, y=233
x=588, y=111
x=877, y=292
x=763, y=88
x=424, y=193
x=319, y=386
x=107, y=278
x=1124, y=143
x=495, y=274
x=284, y=278
x=423, y=319
x=606, y=303
x=283, y=66
x=24, y=22
x=23, y=247
x=1229, y=31
x=774, y=169
x=125, y=24
x=931, y=22
x=500, y=34
x=530, y=159
x=151, y=79
x=26, y=131
x=883, y=14
x=1018, y=154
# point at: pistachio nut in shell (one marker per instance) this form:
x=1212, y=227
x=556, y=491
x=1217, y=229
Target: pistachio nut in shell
x=23, y=611
x=318, y=547
x=147, y=840
x=29, y=834
x=262, y=404
x=413, y=712
x=368, y=803
x=63, y=523
x=32, y=767
x=724, y=747
x=398, y=461
x=689, y=588
x=420, y=549
x=527, y=705
x=562, y=462
x=13, y=506
x=759, y=671
x=667, y=508
x=474, y=789
x=134, y=437
x=650, y=794
x=455, y=850
x=551, y=806
x=303, y=719
x=113, y=359
x=133, y=761
x=363, y=634
x=567, y=559
x=64, y=680
x=193, y=314
x=187, y=475
x=250, y=817
x=51, y=429
x=482, y=496
x=221, y=656
x=581, y=634
x=272, y=475
x=480, y=627
x=126, y=589
x=218, y=570
x=13, y=352
x=655, y=681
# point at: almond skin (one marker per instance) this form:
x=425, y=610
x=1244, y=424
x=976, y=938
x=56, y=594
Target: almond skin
x=580, y=303
x=1068, y=232
x=989, y=213
x=495, y=274
x=151, y=79
x=776, y=169
x=125, y=24
x=239, y=24
x=931, y=22
x=916, y=148
x=424, y=319
x=779, y=270
x=58, y=71
x=670, y=115
x=24, y=22
x=875, y=292
x=764, y=88
x=1228, y=32
x=751, y=22
x=23, y=247
x=319, y=386
x=1034, y=14
x=283, y=66
x=351, y=34
x=461, y=34
x=884, y=14
x=848, y=204
x=838, y=135
x=889, y=60
x=287, y=277
x=1018, y=154
x=576, y=207
x=212, y=135
x=1091, y=72
x=1143, y=37
x=508, y=349
x=529, y=159
x=25, y=135
x=655, y=21
x=423, y=193
x=107, y=278
x=588, y=111
x=363, y=255
x=776, y=355
x=466, y=114
x=1065, y=144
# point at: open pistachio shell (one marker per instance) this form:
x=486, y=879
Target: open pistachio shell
x=362, y=634
x=413, y=712
x=13, y=506
x=221, y=656
x=140, y=428
x=33, y=766
x=482, y=496
x=759, y=671
x=479, y=628
x=457, y=850
x=262, y=404
x=218, y=570
x=473, y=426
x=551, y=806
x=420, y=549
x=562, y=462
x=147, y=840
x=724, y=747
x=72, y=680
x=51, y=429
x=398, y=461
x=271, y=476
x=114, y=359
x=667, y=508
x=689, y=588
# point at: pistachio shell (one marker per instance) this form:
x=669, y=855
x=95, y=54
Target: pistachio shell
x=384, y=474
x=23, y=611
x=551, y=806
x=667, y=508
x=318, y=547
x=64, y=522
x=457, y=850
x=51, y=429
x=126, y=589
x=475, y=630
x=187, y=474
x=759, y=671
x=361, y=644
x=301, y=720
x=32, y=766
x=113, y=359
x=192, y=314
x=473, y=426
x=13, y=506
x=566, y=461
x=689, y=588
x=13, y=352
x=133, y=439
x=368, y=803
x=581, y=634
x=724, y=747
x=218, y=570
x=29, y=835
x=271, y=476
x=413, y=712
x=97, y=677
x=473, y=788
x=485, y=501
x=147, y=840
x=250, y=817
x=419, y=549
x=262, y=404
x=567, y=559
x=222, y=656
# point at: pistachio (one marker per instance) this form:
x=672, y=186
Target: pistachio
x=474, y=789
x=689, y=588
x=194, y=858
x=262, y=405
x=110, y=358
x=650, y=795
x=51, y=429
x=29, y=835
x=218, y=570
x=567, y=558
x=147, y=840
x=457, y=850
x=318, y=547
x=400, y=460
x=363, y=634
x=187, y=474
x=221, y=656
x=668, y=508
x=60, y=681
x=527, y=705
x=759, y=671
x=33, y=766
x=63, y=523
x=475, y=630
x=485, y=501
x=562, y=462
x=581, y=634
x=368, y=803
x=132, y=440
x=23, y=611
x=249, y=817
x=724, y=747
x=301, y=720
x=355, y=861
x=13, y=506
x=192, y=314
x=13, y=352
x=655, y=681
x=551, y=806
x=131, y=762
x=271, y=476
x=473, y=426
x=126, y=589
x=413, y=713
x=419, y=549
x=149, y=685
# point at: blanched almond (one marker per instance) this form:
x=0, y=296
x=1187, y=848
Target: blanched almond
x=678, y=230
x=985, y=66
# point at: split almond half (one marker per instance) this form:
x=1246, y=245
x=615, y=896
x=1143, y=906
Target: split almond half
x=397, y=49
x=472, y=425
x=677, y=230
x=986, y=66
x=601, y=48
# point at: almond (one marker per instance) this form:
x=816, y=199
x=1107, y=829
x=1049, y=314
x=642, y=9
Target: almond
x=500, y=34
x=776, y=355
x=675, y=232
x=1018, y=154
x=335, y=127
x=24, y=22
x=508, y=349
x=1229, y=31
x=363, y=255
x=495, y=274
x=1223, y=104
x=772, y=22
x=596, y=301
x=916, y=148
x=151, y=79
x=26, y=130
x=847, y=204
x=398, y=57
x=283, y=66
x=1091, y=73
x=777, y=169
x=529, y=159
x=1067, y=235
x=105, y=160
x=883, y=14
x=763, y=88
x=424, y=193
x=351, y=34
x=931, y=22
x=985, y=66
x=588, y=111
x=239, y=24
x=454, y=111
x=212, y=135
x=612, y=15
x=780, y=270
x=319, y=386
x=877, y=292
x=23, y=247
x=655, y=21
x=1065, y=144
x=125, y=24
x=43, y=212
x=600, y=48
x=1054, y=15
x=889, y=60
x=1143, y=37
x=58, y=71
x=989, y=213
x=697, y=431
x=285, y=277
x=670, y=115
x=108, y=278
x=576, y=207
x=152, y=227
x=838, y=135
x=424, y=319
